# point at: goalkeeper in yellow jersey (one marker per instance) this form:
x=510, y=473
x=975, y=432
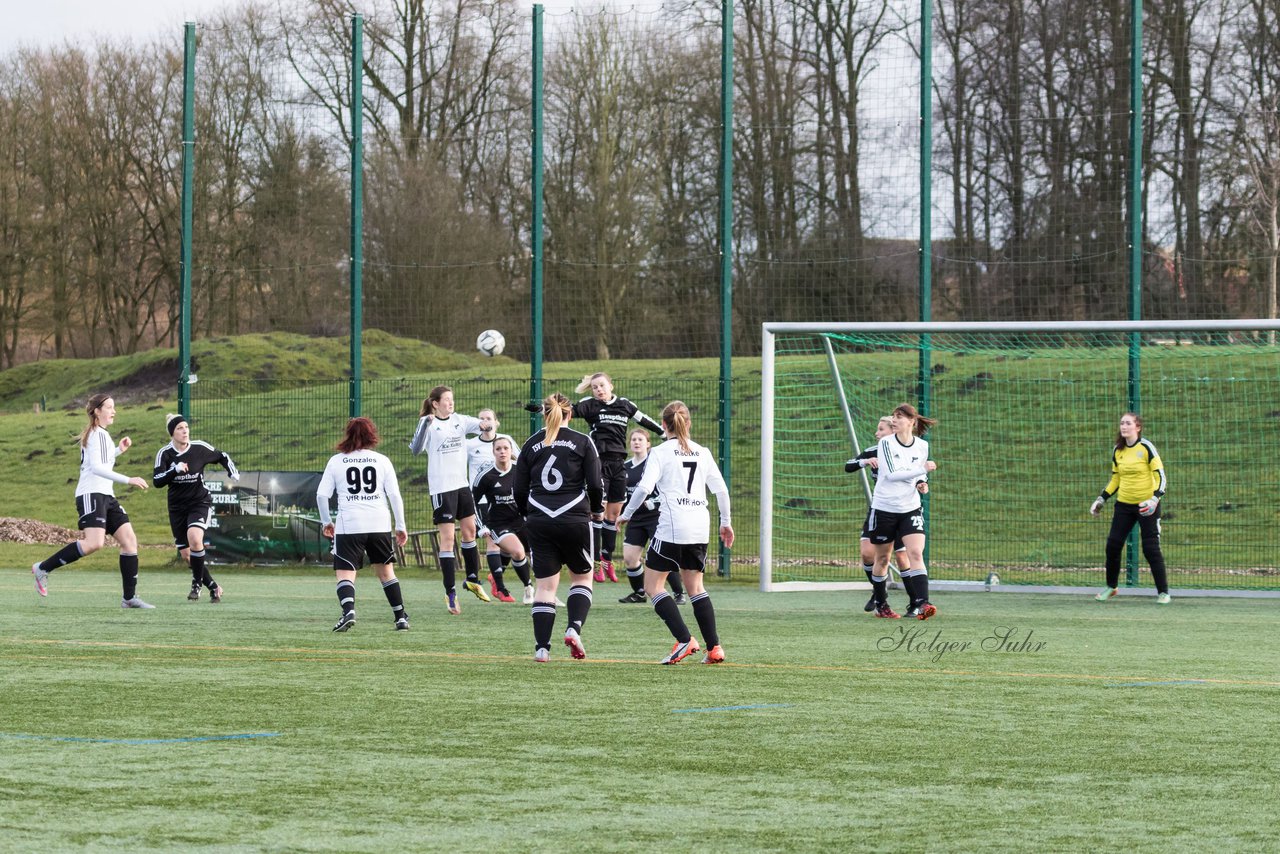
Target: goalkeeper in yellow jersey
x=1138, y=483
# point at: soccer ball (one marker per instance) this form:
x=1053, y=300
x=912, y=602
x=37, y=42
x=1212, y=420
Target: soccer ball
x=491, y=342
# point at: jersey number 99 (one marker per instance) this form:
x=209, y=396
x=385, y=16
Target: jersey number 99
x=365, y=478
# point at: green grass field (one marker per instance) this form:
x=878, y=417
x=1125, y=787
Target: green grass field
x=1131, y=727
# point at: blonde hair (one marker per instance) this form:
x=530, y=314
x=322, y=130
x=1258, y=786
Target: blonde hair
x=675, y=417
x=588, y=379
x=92, y=406
x=556, y=412
x=885, y=419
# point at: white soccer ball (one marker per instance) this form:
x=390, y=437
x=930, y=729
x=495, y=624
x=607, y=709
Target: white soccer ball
x=491, y=342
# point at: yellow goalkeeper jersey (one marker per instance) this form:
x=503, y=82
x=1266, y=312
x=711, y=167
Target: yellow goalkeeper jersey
x=1137, y=473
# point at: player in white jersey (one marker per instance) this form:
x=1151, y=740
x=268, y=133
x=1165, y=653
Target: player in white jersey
x=100, y=513
x=879, y=602
x=902, y=459
x=368, y=501
x=683, y=471
x=442, y=434
x=480, y=460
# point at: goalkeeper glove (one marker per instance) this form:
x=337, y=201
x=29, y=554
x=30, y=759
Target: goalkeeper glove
x=1097, y=505
x=1148, y=507
x=532, y=407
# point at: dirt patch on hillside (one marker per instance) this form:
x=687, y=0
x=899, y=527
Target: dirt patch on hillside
x=30, y=531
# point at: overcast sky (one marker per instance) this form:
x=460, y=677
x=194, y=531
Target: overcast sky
x=50, y=22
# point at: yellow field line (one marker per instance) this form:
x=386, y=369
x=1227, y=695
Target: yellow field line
x=316, y=655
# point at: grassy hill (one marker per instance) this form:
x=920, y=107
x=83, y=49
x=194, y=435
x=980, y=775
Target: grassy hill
x=1022, y=445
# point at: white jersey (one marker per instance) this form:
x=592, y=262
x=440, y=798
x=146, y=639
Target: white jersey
x=445, y=442
x=480, y=455
x=683, y=478
x=97, y=463
x=899, y=467
x=367, y=487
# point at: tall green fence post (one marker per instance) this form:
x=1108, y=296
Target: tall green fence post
x=188, y=177
x=357, y=215
x=924, y=383
x=1135, y=241
x=725, y=450
x=535, y=227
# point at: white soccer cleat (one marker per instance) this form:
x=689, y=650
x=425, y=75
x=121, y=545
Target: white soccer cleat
x=527, y=599
x=42, y=577
x=574, y=642
x=542, y=656
x=135, y=602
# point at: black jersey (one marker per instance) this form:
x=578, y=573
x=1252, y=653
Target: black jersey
x=560, y=480
x=648, y=511
x=187, y=488
x=498, y=488
x=608, y=422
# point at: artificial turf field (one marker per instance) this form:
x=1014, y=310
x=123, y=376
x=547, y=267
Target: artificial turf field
x=249, y=725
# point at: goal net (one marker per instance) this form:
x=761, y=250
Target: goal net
x=1027, y=418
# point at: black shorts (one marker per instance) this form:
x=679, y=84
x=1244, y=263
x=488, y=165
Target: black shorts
x=182, y=518
x=884, y=526
x=613, y=474
x=866, y=533
x=349, y=549
x=671, y=557
x=639, y=532
x=452, y=506
x=557, y=544
x=521, y=534
x=99, y=510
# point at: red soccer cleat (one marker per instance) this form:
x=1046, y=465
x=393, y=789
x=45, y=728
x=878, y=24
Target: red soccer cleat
x=715, y=655
x=887, y=613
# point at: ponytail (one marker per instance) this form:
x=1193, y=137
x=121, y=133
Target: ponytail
x=92, y=406
x=556, y=412
x=920, y=424
x=675, y=418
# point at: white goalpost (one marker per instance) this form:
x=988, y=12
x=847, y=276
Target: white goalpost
x=1024, y=409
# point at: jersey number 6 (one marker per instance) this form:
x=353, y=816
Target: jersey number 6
x=552, y=480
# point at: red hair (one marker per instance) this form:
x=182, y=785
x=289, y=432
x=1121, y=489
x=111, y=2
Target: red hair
x=362, y=434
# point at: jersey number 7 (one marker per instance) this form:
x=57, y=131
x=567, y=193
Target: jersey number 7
x=692, y=467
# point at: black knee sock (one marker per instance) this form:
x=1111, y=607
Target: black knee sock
x=917, y=584
x=494, y=559
x=506, y=560
x=880, y=586
x=471, y=561
x=667, y=609
x=200, y=570
x=676, y=582
x=597, y=537
x=706, y=617
x=391, y=587
x=129, y=574
x=578, y=605
x=347, y=596
x=70, y=553
x=608, y=539
x=522, y=571
x=544, y=622
x=635, y=575
x=449, y=571
x=909, y=585
x=196, y=575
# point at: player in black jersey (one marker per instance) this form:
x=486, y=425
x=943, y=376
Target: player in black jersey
x=180, y=466
x=558, y=489
x=505, y=523
x=642, y=525
x=608, y=416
